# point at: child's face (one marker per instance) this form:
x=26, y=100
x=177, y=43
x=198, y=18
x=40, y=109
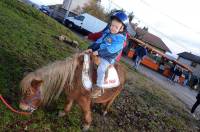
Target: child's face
x=116, y=27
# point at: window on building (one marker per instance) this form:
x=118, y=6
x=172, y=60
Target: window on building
x=193, y=64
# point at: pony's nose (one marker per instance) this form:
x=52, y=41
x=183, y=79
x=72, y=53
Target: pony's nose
x=26, y=107
x=23, y=106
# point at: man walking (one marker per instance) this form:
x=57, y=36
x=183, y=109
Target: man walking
x=140, y=52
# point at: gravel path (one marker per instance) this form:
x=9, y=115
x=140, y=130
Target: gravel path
x=184, y=94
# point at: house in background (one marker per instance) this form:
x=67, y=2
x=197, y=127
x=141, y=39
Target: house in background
x=191, y=60
x=151, y=40
x=59, y=11
x=74, y=4
x=156, y=58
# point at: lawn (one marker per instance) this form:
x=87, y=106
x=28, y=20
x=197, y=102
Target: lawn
x=28, y=41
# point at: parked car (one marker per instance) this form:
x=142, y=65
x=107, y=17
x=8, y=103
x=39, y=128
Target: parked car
x=85, y=22
x=44, y=9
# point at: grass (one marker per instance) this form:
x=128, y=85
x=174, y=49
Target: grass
x=27, y=42
x=146, y=106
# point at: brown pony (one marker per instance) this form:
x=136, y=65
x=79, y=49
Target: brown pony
x=45, y=85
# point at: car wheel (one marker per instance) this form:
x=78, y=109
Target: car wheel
x=70, y=25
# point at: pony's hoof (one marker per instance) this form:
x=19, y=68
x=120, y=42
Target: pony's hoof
x=61, y=114
x=105, y=113
x=85, y=128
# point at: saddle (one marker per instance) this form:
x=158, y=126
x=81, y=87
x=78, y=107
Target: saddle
x=111, y=79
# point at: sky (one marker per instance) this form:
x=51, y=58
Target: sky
x=176, y=22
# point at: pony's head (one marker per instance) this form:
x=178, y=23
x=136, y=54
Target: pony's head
x=31, y=99
x=44, y=85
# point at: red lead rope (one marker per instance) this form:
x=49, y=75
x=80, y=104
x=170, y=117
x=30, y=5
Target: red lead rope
x=13, y=110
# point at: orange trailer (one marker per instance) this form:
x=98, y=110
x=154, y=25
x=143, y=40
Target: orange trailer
x=150, y=63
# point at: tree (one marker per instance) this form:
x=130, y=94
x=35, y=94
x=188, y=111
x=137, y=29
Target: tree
x=145, y=28
x=131, y=16
x=96, y=10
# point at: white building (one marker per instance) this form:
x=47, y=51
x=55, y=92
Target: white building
x=191, y=60
x=74, y=4
x=59, y=11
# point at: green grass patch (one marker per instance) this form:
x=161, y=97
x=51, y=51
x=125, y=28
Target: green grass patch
x=27, y=42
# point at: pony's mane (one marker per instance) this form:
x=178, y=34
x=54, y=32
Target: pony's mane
x=54, y=77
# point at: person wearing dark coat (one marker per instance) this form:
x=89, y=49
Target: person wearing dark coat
x=172, y=70
x=178, y=73
x=185, y=83
x=196, y=103
x=140, y=53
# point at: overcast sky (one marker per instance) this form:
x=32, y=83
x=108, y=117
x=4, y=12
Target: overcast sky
x=176, y=22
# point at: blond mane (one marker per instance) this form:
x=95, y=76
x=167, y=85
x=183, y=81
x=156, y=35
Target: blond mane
x=54, y=77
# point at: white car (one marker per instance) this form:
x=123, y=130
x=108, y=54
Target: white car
x=85, y=22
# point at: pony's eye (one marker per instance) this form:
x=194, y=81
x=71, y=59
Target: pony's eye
x=28, y=92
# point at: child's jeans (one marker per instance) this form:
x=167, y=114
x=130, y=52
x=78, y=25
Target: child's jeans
x=103, y=66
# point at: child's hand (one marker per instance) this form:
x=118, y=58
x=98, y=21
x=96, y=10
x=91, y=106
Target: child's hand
x=95, y=53
x=88, y=51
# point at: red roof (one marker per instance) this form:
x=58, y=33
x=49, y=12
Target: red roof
x=151, y=39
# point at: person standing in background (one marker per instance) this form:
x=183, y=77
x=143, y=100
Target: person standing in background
x=140, y=52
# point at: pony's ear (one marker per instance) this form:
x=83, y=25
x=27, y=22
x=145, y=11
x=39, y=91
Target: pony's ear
x=36, y=83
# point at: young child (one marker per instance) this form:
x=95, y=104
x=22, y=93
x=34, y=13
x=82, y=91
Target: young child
x=108, y=47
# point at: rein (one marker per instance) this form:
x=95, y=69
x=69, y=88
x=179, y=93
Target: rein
x=12, y=109
x=29, y=102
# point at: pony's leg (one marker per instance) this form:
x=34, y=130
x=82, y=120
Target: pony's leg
x=109, y=103
x=103, y=105
x=85, y=104
x=68, y=106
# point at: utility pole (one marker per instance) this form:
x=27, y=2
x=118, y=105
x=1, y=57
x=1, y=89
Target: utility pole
x=68, y=8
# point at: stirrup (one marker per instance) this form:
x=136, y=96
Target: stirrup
x=96, y=92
